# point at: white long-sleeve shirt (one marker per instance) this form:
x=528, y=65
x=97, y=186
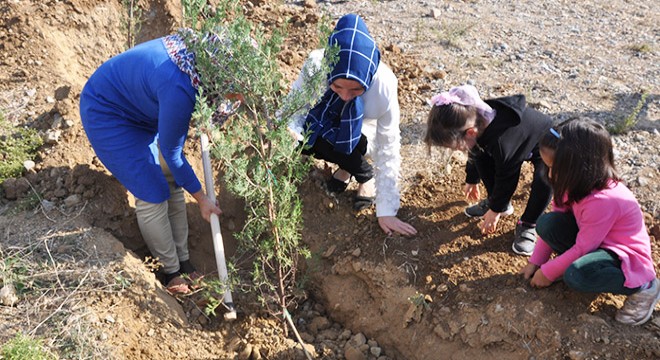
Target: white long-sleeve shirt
x=380, y=126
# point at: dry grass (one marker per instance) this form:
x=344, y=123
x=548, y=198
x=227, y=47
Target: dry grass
x=54, y=275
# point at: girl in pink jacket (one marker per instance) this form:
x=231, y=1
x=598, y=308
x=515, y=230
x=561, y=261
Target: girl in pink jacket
x=596, y=228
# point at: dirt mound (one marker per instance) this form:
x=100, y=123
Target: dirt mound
x=447, y=293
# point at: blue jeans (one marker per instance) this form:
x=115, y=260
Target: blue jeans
x=597, y=272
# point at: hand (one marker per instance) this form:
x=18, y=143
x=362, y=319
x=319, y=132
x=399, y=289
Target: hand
x=206, y=206
x=392, y=223
x=295, y=135
x=471, y=192
x=528, y=271
x=539, y=280
x=489, y=223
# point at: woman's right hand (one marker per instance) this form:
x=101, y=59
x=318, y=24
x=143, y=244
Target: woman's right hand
x=471, y=192
x=206, y=206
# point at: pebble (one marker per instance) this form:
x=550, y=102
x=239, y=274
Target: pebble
x=8, y=295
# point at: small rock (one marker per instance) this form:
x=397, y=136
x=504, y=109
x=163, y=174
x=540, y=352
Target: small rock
x=72, y=200
x=329, y=252
x=375, y=351
x=318, y=323
x=29, y=165
x=57, y=121
x=358, y=340
x=307, y=337
x=8, y=295
x=352, y=353
x=52, y=136
x=577, y=355
x=345, y=335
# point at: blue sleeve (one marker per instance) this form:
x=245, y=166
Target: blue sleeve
x=176, y=105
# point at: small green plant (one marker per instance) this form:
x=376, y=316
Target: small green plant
x=29, y=202
x=122, y=282
x=642, y=48
x=17, y=144
x=15, y=270
x=213, y=291
x=624, y=124
x=421, y=300
x=23, y=347
x=132, y=23
x=451, y=34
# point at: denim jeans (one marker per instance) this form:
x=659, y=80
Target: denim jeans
x=597, y=272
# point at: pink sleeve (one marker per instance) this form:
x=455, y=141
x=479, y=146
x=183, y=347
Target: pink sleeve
x=595, y=215
x=541, y=254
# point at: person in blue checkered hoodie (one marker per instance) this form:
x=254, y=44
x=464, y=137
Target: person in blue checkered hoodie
x=357, y=120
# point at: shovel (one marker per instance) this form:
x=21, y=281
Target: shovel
x=218, y=246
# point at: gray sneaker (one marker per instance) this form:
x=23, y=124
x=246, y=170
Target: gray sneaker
x=524, y=241
x=638, y=307
x=480, y=209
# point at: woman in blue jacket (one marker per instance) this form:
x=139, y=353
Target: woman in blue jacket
x=136, y=110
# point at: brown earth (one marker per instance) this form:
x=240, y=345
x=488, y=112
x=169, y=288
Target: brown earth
x=447, y=293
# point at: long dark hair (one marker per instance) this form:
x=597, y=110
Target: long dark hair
x=583, y=159
x=444, y=124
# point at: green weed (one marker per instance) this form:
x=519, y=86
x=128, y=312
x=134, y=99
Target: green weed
x=451, y=34
x=421, y=300
x=642, y=48
x=23, y=347
x=17, y=144
x=624, y=124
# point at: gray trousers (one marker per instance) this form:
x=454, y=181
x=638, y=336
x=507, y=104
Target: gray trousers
x=164, y=226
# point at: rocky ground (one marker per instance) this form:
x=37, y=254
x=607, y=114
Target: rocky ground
x=448, y=292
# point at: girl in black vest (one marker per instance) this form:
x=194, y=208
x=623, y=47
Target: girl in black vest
x=499, y=134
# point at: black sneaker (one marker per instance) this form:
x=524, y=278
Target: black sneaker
x=525, y=240
x=480, y=209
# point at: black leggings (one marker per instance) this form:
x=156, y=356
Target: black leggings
x=355, y=163
x=539, y=194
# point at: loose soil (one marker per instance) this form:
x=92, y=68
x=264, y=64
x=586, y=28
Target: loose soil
x=447, y=293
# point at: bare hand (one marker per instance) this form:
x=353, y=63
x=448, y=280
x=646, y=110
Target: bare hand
x=489, y=223
x=206, y=206
x=539, y=280
x=528, y=271
x=471, y=192
x=392, y=223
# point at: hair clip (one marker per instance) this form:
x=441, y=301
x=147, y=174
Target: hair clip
x=555, y=133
